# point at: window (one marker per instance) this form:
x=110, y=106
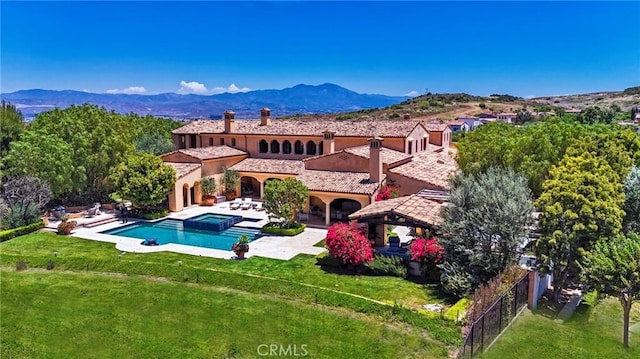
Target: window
x=222, y=142
x=286, y=147
x=299, y=148
x=211, y=142
x=410, y=147
x=275, y=146
x=233, y=142
x=320, y=148
x=183, y=142
x=311, y=148
x=192, y=141
x=263, y=147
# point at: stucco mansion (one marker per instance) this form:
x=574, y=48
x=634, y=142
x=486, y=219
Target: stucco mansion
x=343, y=163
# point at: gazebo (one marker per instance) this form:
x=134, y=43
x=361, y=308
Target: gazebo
x=417, y=210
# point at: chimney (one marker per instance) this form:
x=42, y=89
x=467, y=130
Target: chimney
x=328, y=142
x=375, y=159
x=265, y=117
x=229, y=122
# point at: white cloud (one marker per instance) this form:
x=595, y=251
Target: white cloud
x=192, y=87
x=413, y=93
x=232, y=89
x=129, y=90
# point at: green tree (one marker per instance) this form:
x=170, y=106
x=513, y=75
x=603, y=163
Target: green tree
x=631, y=206
x=144, y=179
x=580, y=205
x=11, y=125
x=613, y=268
x=153, y=142
x=484, y=226
x=45, y=156
x=230, y=180
x=486, y=147
x=285, y=198
x=523, y=117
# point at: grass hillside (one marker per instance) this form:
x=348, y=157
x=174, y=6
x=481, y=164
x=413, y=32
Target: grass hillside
x=451, y=106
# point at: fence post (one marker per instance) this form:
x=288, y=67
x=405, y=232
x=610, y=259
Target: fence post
x=482, y=336
x=515, y=301
x=472, y=327
x=501, y=304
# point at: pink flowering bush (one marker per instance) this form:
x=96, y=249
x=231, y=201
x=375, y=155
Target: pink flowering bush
x=387, y=192
x=427, y=252
x=347, y=243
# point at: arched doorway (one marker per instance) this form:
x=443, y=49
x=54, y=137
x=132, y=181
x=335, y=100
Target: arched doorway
x=286, y=147
x=249, y=186
x=275, y=146
x=263, y=146
x=311, y=148
x=298, y=148
x=341, y=208
x=185, y=195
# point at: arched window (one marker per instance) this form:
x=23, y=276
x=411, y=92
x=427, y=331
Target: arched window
x=299, y=148
x=286, y=147
x=275, y=146
x=263, y=147
x=311, y=148
x=320, y=148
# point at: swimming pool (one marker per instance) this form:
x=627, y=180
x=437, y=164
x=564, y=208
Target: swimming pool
x=173, y=231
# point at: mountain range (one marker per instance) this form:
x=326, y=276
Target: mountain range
x=299, y=99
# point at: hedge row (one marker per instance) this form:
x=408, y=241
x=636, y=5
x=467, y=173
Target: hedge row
x=15, y=232
x=274, y=229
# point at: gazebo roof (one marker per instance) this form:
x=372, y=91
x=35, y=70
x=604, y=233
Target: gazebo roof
x=409, y=210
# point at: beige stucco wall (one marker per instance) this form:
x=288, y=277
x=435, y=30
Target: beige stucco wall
x=214, y=166
x=176, y=199
x=415, y=140
x=407, y=185
x=341, y=161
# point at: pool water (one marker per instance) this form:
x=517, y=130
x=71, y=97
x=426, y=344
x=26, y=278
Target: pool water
x=173, y=231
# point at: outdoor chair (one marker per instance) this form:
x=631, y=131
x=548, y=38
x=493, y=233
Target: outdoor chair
x=92, y=212
x=235, y=204
x=247, y=204
x=258, y=206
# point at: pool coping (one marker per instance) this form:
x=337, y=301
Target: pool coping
x=269, y=246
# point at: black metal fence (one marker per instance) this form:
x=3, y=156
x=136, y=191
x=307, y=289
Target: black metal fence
x=495, y=319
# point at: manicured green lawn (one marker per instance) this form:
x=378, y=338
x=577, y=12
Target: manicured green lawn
x=299, y=281
x=592, y=332
x=75, y=315
x=39, y=247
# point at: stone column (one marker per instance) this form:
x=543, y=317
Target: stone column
x=327, y=213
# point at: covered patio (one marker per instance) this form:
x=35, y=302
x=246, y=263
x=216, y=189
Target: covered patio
x=411, y=211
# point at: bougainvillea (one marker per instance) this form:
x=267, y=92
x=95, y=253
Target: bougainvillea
x=348, y=244
x=427, y=251
x=387, y=192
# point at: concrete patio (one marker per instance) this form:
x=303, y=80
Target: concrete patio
x=269, y=246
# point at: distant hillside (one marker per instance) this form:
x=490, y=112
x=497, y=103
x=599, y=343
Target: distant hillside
x=625, y=99
x=300, y=99
x=451, y=106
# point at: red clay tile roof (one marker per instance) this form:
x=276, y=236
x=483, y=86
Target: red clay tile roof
x=212, y=152
x=269, y=166
x=433, y=168
x=388, y=155
x=419, y=209
x=183, y=169
x=342, y=182
x=389, y=128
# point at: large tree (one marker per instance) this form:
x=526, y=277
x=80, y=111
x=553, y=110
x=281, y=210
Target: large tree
x=21, y=200
x=631, y=206
x=144, y=179
x=153, y=142
x=43, y=155
x=285, y=198
x=580, y=205
x=484, y=225
x=613, y=268
x=11, y=125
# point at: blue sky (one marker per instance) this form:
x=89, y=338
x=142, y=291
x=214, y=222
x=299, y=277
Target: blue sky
x=521, y=48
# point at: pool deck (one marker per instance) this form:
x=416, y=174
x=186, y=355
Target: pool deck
x=269, y=246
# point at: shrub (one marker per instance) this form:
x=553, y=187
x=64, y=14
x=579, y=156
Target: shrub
x=489, y=293
x=427, y=252
x=21, y=265
x=50, y=265
x=65, y=227
x=387, y=192
x=454, y=280
x=348, y=244
x=16, y=232
x=152, y=214
x=388, y=265
x=20, y=215
x=273, y=228
x=482, y=105
x=458, y=311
